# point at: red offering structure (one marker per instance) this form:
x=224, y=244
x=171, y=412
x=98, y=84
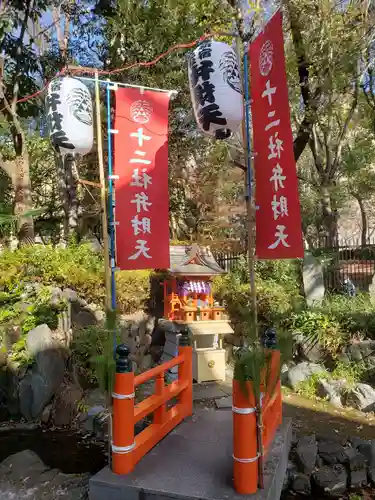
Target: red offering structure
x=188, y=288
x=188, y=300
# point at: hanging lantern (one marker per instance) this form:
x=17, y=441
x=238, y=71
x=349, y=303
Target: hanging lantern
x=70, y=116
x=215, y=88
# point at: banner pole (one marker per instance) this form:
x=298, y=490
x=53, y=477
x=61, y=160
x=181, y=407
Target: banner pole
x=103, y=194
x=250, y=204
x=250, y=198
x=111, y=209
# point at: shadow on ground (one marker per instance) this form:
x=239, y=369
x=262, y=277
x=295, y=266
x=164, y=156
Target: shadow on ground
x=321, y=418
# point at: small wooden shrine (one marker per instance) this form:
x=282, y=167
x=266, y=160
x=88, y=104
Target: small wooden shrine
x=188, y=288
x=188, y=299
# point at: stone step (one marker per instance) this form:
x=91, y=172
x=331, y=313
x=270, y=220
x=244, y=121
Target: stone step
x=194, y=462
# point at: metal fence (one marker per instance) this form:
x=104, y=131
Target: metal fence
x=350, y=260
x=228, y=260
x=347, y=259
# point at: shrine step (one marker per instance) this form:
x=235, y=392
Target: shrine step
x=194, y=462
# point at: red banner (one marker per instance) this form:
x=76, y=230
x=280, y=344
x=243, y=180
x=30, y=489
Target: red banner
x=278, y=216
x=141, y=164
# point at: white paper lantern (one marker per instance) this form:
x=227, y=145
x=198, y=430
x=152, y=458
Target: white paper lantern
x=215, y=88
x=70, y=116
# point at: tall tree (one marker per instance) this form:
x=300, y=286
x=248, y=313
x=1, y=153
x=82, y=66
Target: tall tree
x=141, y=31
x=329, y=40
x=19, y=80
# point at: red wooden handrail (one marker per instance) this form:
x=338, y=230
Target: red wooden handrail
x=154, y=372
x=245, y=451
x=128, y=449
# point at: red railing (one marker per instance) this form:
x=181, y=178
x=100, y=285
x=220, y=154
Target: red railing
x=128, y=449
x=245, y=443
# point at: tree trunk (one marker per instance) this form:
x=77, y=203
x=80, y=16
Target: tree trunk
x=22, y=200
x=364, y=221
x=72, y=182
x=329, y=217
x=67, y=182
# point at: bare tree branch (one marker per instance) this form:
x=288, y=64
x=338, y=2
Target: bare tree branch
x=313, y=143
x=311, y=102
x=332, y=170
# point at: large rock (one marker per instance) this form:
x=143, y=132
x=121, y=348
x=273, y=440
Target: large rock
x=313, y=280
x=331, y=481
x=301, y=484
x=357, y=468
x=302, y=372
x=15, y=466
x=291, y=471
x=83, y=319
x=306, y=453
x=39, y=339
x=70, y=295
x=332, y=452
x=368, y=451
x=95, y=397
x=331, y=391
x=66, y=405
x=4, y=414
x=362, y=397
x=11, y=389
x=362, y=350
x=24, y=475
x=356, y=441
x=312, y=351
x=42, y=382
x=371, y=475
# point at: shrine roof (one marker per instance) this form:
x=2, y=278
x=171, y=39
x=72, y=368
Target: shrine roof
x=193, y=261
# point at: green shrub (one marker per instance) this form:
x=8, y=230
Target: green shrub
x=308, y=388
x=355, y=314
x=132, y=290
x=275, y=301
x=31, y=311
x=352, y=373
x=76, y=267
x=92, y=348
x=19, y=353
x=87, y=343
x=283, y=272
x=317, y=326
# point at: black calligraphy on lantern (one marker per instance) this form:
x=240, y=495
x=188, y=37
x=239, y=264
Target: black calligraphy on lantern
x=201, y=71
x=55, y=118
x=211, y=114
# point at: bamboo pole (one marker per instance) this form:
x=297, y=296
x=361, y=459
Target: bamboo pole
x=251, y=210
x=250, y=198
x=249, y=190
x=103, y=193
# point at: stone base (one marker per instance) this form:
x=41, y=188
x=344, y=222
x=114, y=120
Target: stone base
x=194, y=462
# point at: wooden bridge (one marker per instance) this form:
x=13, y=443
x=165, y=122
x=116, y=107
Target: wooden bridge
x=211, y=455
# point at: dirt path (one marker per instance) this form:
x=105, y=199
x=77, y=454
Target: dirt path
x=326, y=420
